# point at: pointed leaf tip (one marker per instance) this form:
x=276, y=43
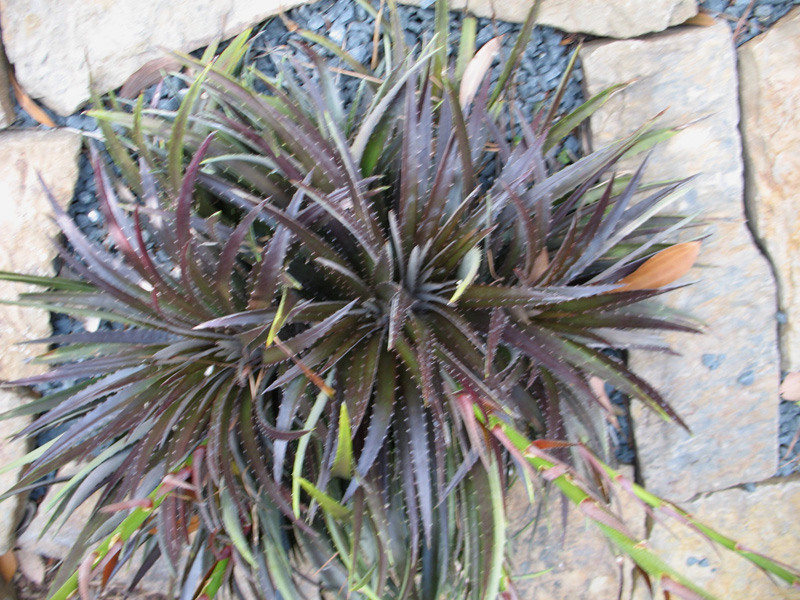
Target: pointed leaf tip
x=662, y=269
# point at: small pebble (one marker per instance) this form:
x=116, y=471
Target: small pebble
x=746, y=377
x=712, y=361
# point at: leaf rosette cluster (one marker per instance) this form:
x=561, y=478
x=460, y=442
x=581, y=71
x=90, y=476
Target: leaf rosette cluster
x=339, y=320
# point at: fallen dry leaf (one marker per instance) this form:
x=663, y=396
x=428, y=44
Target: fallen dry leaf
x=476, y=70
x=147, y=75
x=701, y=20
x=790, y=388
x=8, y=566
x=667, y=266
x=540, y=265
x=599, y=388
x=30, y=107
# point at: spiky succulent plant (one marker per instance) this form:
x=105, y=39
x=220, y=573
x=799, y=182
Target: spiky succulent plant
x=341, y=326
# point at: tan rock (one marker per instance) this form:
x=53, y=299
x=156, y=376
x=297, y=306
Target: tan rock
x=26, y=247
x=56, y=44
x=57, y=540
x=606, y=18
x=6, y=104
x=769, y=69
x=764, y=520
x=581, y=562
x=725, y=382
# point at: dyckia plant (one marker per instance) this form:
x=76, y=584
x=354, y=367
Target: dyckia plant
x=346, y=329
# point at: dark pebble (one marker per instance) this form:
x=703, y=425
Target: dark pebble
x=712, y=361
x=746, y=377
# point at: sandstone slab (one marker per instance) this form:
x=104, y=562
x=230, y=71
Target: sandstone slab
x=725, y=383
x=57, y=540
x=579, y=561
x=605, y=18
x=6, y=104
x=57, y=45
x=26, y=247
x=769, y=69
x=764, y=520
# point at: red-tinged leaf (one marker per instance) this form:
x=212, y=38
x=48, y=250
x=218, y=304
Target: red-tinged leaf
x=177, y=481
x=599, y=388
x=311, y=241
x=182, y=211
x=790, y=387
x=359, y=378
x=555, y=472
x=664, y=268
x=592, y=509
x=85, y=576
x=381, y=419
x=148, y=74
x=669, y=585
x=224, y=277
x=476, y=70
x=548, y=444
x=106, y=566
x=420, y=455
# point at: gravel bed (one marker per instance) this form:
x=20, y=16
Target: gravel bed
x=761, y=14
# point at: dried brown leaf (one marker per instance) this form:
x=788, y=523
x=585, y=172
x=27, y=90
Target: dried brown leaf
x=476, y=70
x=8, y=566
x=292, y=26
x=147, y=75
x=701, y=20
x=598, y=387
x=790, y=388
x=664, y=268
x=540, y=265
x=30, y=107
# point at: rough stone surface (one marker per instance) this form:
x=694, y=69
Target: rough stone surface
x=56, y=44
x=769, y=67
x=6, y=104
x=25, y=247
x=582, y=562
x=57, y=541
x=724, y=384
x=606, y=18
x=764, y=520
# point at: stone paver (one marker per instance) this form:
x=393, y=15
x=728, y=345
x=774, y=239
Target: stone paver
x=59, y=539
x=764, y=520
x=56, y=44
x=769, y=68
x=725, y=382
x=581, y=561
x=606, y=18
x=6, y=104
x=26, y=247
